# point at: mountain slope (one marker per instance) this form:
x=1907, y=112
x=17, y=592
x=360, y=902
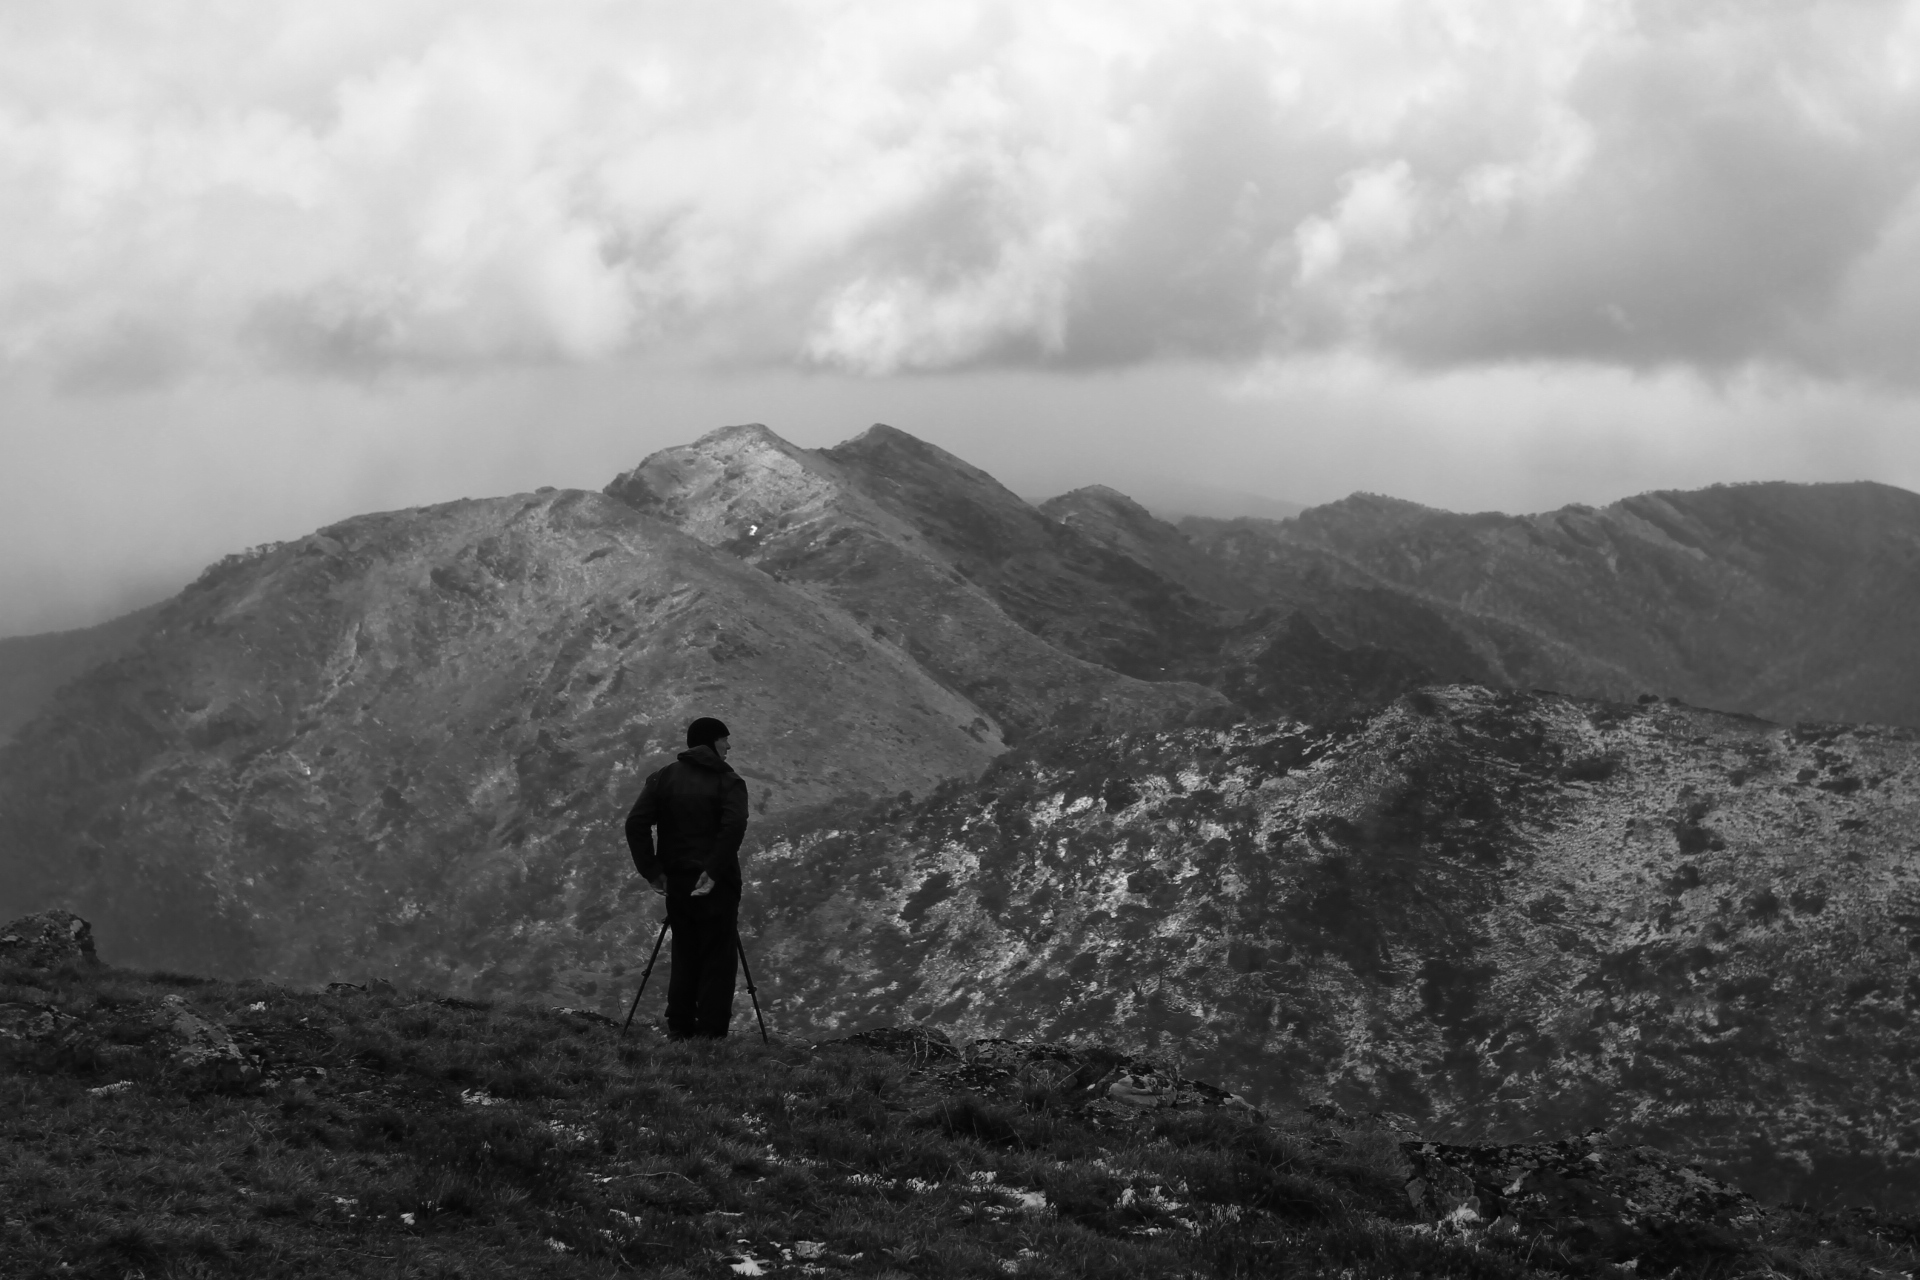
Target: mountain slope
x=404, y=744
x=932, y=555
x=1295, y=640
x=164, y=1126
x=33, y=667
x=1065, y=587
x=1117, y=522
x=1040, y=616
x=1788, y=601
x=1503, y=913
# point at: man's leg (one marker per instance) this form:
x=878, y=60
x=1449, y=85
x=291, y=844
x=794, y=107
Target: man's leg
x=719, y=962
x=683, y=986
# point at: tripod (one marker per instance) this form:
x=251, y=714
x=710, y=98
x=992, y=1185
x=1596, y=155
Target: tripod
x=740, y=947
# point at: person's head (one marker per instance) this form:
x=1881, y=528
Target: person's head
x=709, y=732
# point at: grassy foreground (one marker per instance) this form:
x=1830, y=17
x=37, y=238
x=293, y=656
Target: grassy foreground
x=377, y=1134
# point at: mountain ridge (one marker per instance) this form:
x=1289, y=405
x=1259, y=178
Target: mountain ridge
x=401, y=747
x=1787, y=601
x=33, y=666
x=826, y=523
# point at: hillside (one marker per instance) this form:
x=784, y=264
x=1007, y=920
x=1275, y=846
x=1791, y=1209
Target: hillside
x=1793, y=602
x=32, y=667
x=1063, y=587
x=401, y=747
x=1495, y=914
x=165, y=1126
x=1007, y=607
x=1086, y=611
x=1293, y=642
x=404, y=744
x=1120, y=524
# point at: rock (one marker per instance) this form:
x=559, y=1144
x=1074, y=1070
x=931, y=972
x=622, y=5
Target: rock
x=1093, y=1078
x=32, y=1022
x=199, y=1043
x=48, y=940
x=1566, y=1176
x=1144, y=1091
x=921, y=1044
x=1586, y=1194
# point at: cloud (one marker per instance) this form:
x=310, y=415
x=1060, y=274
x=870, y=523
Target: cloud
x=877, y=187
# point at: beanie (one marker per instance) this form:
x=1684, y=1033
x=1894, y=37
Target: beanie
x=704, y=731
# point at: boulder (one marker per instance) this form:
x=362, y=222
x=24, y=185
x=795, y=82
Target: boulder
x=48, y=940
x=198, y=1043
x=1140, y=1090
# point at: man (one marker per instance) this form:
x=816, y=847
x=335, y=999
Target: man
x=699, y=805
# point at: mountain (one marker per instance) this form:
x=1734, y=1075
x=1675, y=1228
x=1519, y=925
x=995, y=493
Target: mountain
x=1232, y=826
x=1173, y=500
x=32, y=667
x=405, y=743
x=1063, y=587
x=1494, y=913
x=1305, y=644
x=1782, y=600
x=1014, y=611
x=1115, y=521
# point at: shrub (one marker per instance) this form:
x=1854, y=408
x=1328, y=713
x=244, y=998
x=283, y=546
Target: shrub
x=969, y=1116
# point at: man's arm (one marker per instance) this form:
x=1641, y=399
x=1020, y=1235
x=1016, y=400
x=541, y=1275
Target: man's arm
x=640, y=820
x=724, y=866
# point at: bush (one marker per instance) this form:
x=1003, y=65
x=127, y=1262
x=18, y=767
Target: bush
x=969, y=1116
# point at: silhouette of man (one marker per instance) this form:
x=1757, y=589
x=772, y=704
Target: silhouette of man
x=699, y=806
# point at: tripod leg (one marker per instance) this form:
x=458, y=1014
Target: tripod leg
x=643, y=979
x=751, y=993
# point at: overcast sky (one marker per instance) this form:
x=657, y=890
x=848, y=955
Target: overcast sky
x=264, y=265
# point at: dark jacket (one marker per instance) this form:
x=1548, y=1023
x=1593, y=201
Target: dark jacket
x=700, y=806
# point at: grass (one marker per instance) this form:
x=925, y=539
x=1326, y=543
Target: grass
x=403, y=1136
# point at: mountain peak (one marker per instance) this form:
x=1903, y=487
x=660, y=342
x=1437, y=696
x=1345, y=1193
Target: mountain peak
x=1106, y=495
x=881, y=435
x=894, y=454
x=1115, y=521
x=746, y=432
x=911, y=542
x=730, y=484
x=1379, y=504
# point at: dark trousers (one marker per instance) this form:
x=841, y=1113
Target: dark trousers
x=706, y=938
